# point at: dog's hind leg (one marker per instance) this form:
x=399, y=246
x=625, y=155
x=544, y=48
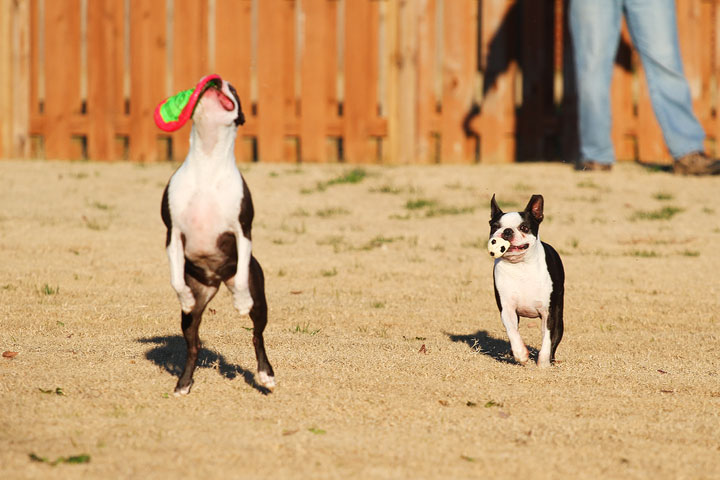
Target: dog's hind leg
x=556, y=328
x=544, y=355
x=258, y=314
x=190, y=325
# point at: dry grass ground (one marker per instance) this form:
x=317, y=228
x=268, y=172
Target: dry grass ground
x=390, y=356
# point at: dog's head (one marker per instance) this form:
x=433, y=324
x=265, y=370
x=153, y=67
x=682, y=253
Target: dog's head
x=219, y=104
x=518, y=228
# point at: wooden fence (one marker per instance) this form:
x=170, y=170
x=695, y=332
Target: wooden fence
x=393, y=81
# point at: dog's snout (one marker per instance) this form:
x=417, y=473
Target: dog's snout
x=507, y=234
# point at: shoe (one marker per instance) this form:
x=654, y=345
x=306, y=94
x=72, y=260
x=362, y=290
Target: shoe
x=592, y=166
x=696, y=163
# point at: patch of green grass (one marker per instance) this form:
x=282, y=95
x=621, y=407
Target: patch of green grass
x=419, y=204
x=305, y=329
x=332, y=212
x=336, y=241
x=493, y=403
x=73, y=459
x=663, y=196
x=281, y=273
x=8, y=286
x=329, y=273
x=49, y=290
x=378, y=304
x=399, y=217
x=522, y=187
x=391, y=189
x=664, y=213
x=379, y=241
x=443, y=210
x=317, y=431
x=643, y=253
x=58, y=391
x=588, y=184
x=96, y=225
x=690, y=253
x=356, y=175
x=708, y=210
x=300, y=212
x=101, y=206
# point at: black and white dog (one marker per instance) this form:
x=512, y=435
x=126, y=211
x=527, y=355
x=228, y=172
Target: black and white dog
x=529, y=277
x=208, y=212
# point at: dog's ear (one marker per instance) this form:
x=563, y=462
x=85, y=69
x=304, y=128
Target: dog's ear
x=495, y=211
x=535, y=207
x=240, y=119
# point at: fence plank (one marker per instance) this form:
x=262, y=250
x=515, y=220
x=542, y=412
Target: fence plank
x=147, y=72
x=624, y=121
x=62, y=76
x=270, y=63
x=105, y=98
x=313, y=85
x=427, y=73
x=359, y=102
x=233, y=29
x=189, y=58
x=497, y=121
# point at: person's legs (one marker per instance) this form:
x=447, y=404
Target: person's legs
x=595, y=30
x=653, y=27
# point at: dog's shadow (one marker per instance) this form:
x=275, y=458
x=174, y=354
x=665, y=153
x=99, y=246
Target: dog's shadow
x=169, y=352
x=496, y=348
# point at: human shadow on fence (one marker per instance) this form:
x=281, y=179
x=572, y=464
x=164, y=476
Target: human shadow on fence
x=544, y=129
x=496, y=348
x=170, y=352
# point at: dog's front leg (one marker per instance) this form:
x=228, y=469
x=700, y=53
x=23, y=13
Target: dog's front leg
x=544, y=355
x=239, y=284
x=176, y=255
x=510, y=320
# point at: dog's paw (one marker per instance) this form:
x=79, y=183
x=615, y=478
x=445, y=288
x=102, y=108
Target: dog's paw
x=522, y=357
x=187, y=300
x=242, y=301
x=267, y=381
x=184, y=390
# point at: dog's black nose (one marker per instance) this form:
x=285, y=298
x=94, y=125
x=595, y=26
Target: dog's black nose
x=507, y=234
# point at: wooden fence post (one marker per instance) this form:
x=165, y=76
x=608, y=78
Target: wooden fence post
x=147, y=74
x=233, y=28
x=402, y=81
x=15, y=83
x=104, y=51
x=359, y=100
x=270, y=62
x=459, y=74
x=313, y=96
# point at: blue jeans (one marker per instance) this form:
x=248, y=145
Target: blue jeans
x=595, y=29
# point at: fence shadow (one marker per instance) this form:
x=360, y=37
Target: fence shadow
x=169, y=353
x=496, y=348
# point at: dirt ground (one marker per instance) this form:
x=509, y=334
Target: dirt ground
x=388, y=349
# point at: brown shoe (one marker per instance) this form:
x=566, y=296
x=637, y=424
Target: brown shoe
x=592, y=166
x=696, y=163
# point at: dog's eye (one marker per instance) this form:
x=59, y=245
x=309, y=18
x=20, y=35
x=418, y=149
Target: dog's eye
x=524, y=228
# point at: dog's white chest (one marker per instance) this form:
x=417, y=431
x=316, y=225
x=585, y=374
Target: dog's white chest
x=203, y=209
x=524, y=287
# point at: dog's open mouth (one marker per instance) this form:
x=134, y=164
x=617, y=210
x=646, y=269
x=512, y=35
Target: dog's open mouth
x=518, y=248
x=214, y=88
